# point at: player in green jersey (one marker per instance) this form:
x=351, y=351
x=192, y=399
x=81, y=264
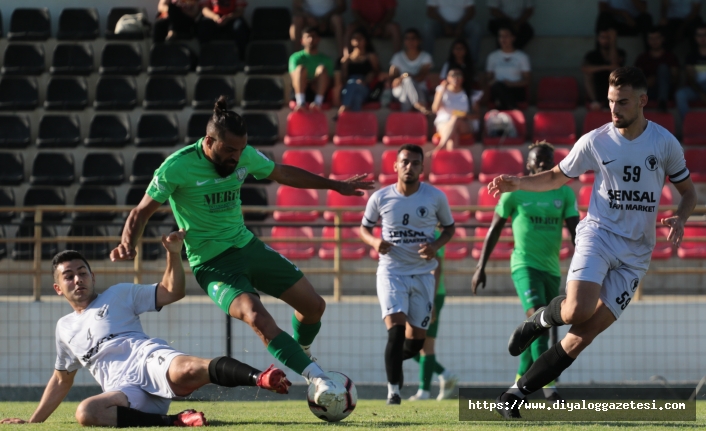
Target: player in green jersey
x=537, y=219
x=202, y=182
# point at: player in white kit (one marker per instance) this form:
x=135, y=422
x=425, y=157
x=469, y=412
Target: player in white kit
x=410, y=211
x=139, y=375
x=631, y=158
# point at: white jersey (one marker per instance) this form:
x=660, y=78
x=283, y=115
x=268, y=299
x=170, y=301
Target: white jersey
x=106, y=337
x=407, y=222
x=629, y=178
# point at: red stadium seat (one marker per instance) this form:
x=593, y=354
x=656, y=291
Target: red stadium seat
x=518, y=119
x=497, y=162
x=465, y=140
x=557, y=92
x=696, y=162
x=485, y=198
x=664, y=119
x=405, y=128
x=293, y=197
x=594, y=120
x=309, y=160
x=349, y=250
x=337, y=200
x=665, y=199
x=588, y=177
x=693, y=130
x=502, y=250
x=356, y=128
x=294, y=250
x=457, y=250
x=555, y=127
x=663, y=248
x=451, y=167
x=457, y=196
x=560, y=154
x=306, y=128
x=693, y=249
x=347, y=163
x=387, y=171
x=584, y=198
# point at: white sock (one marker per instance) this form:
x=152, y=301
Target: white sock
x=313, y=370
x=542, y=321
x=319, y=99
x=514, y=390
x=300, y=98
x=392, y=390
x=423, y=394
x=445, y=375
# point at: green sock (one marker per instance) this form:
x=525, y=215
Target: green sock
x=417, y=358
x=304, y=333
x=289, y=352
x=438, y=369
x=426, y=371
x=525, y=362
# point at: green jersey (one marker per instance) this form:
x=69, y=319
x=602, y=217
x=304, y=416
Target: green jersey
x=310, y=62
x=537, y=222
x=204, y=204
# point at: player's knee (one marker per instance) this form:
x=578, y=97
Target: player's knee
x=573, y=313
x=83, y=414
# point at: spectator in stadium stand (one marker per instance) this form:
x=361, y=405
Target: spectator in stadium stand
x=325, y=15
x=661, y=68
x=598, y=64
x=452, y=18
x=375, y=16
x=695, y=65
x=678, y=18
x=460, y=58
x=310, y=70
x=628, y=17
x=513, y=13
x=224, y=20
x=507, y=72
x=176, y=19
x=359, y=69
x=456, y=113
x=409, y=69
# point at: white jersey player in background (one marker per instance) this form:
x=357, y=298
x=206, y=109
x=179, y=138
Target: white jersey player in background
x=631, y=158
x=410, y=212
x=139, y=375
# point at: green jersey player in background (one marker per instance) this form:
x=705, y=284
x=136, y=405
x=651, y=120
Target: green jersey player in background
x=537, y=221
x=202, y=182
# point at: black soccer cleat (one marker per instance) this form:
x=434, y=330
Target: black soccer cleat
x=508, y=406
x=394, y=400
x=526, y=333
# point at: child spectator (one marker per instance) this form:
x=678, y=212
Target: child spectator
x=452, y=18
x=507, y=72
x=661, y=69
x=325, y=15
x=456, y=113
x=695, y=74
x=598, y=64
x=375, y=16
x=514, y=14
x=408, y=70
x=359, y=69
x=310, y=71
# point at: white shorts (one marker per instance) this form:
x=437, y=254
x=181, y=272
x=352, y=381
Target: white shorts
x=412, y=295
x=147, y=387
x=610, y=260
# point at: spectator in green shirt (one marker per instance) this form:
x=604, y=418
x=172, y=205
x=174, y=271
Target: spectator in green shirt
x=311, y=71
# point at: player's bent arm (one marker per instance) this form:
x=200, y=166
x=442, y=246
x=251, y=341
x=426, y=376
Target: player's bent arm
x=173, y=285
x=366, y=234
x=134, y=227
x=543, y=181
x=688, y=198
x=447, y=232
x=491, y=239
x=296, y=177
x=571, y=223
x=55, y=392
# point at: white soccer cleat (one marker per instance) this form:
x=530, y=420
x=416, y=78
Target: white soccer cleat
x=446, y=386
x=328, y=391
x=420, y=396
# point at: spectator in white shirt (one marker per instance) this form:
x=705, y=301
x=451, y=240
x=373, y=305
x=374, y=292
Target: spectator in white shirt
x=409, y=69
x=507, y=72
x=456, y=114
x=452, y=18
x=515, y=14
x=325, y=15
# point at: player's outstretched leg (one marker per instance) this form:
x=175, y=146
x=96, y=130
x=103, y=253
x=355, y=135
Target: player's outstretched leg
x=309, y=307
x=229, y=372
x=535, y=326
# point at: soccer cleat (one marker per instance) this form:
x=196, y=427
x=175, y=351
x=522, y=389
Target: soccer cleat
x=328, y=391
x=394, y=400
x=190, y=418
x=273, y=379
x=526, y=333
x=446, y=386
x=420, y=396
x=507, y=406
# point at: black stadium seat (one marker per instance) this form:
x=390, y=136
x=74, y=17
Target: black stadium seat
x=157, y=130
x=89, y=250
x=23, y=59
x=103, y=169
x=18, y=94
x=59, y=131
x=66, y=94
x=170, y=59
x=266, y=58
x=25, y=250
x=144, y=165
x=108, y=130
x=72, y=59
x=7, y=200
x=165, y=93
x=3, y=245
x=263, y=128
x=113, y=17
x=270, y=23
x=121, y=59
x=263, y=93
x=14, y=131
x=52, y=169
x=90, y=196
x=255, y=196
x=196, y=128
x=219, y=58
x=12, y=170
x=35, y=196
x=29, y=24
x=115, y=93
x=78, y=24
x=208, y=89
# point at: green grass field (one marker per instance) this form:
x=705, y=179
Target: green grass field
x=369, y=414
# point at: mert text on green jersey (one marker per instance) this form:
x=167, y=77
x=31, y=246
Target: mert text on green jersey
x=206, y=205
x=537, y=222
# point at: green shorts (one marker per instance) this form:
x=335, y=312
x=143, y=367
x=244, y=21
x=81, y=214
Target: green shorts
x=239, y=270
x=434, y=327
x=535, y=287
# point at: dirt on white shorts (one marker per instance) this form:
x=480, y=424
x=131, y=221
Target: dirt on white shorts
x=412, y=295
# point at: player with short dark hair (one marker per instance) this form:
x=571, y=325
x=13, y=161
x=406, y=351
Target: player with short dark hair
x=202, y=182
x=614, y=242
x=410, y=211
x=537, y=219
x=139, y=375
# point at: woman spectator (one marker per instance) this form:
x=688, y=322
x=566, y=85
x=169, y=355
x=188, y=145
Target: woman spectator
x=176, y=19
x=456, y=114
x=508, y=72
x=460, y=58
x=359, y=69
x=409, y=69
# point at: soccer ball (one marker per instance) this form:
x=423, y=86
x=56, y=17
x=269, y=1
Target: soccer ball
x=338, y=410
